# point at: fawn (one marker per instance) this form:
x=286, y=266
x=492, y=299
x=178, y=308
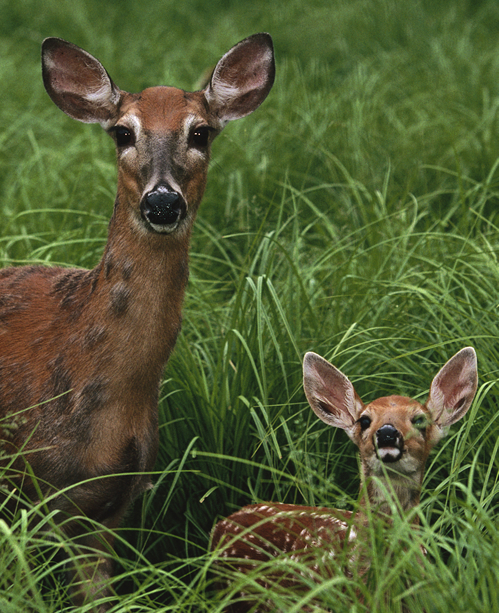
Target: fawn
x=82, y=352
x=394, y=435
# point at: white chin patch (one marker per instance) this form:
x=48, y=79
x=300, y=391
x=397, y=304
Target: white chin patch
x=166, y=229
x=389, y=454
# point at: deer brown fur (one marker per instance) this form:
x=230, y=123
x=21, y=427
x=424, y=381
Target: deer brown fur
x=82, y=352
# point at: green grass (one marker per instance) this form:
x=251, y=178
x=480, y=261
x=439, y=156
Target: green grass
x=355, y=214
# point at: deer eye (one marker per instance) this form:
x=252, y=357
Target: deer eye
x=364, y=422
x=419, y=422
x=200, y=136
x=124, y=136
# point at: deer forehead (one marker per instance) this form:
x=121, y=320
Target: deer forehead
x=394, y=410
x=163, y=110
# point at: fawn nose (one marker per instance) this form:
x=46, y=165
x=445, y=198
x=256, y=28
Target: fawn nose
x=163, y=208
x=389, y=443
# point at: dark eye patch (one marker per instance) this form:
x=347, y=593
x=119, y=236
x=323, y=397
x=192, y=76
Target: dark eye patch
x=364, y=422
x=420, y=422
x=200, y=136
x=124, y=136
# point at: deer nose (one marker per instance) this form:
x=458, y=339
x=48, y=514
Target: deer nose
x=388, y=436
x=163, y=208
x=389, y=443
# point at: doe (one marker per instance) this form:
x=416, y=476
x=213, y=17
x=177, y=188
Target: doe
x=82, y=352
x=394, y=436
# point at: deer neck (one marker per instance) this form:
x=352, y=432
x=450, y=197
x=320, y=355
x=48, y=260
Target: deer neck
x=140, y=285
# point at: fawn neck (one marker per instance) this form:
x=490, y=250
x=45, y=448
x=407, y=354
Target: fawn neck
x=382, y=493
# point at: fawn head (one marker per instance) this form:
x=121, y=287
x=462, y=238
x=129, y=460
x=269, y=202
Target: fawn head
x=163, y=134
x=394, y=434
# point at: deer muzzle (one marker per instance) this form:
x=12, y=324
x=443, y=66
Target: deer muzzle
x=389, y=443
x=163, y=208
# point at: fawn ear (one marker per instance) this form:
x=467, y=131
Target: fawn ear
x=78, y=83
x=330, y=393
x=453, y=389
x=242, y=79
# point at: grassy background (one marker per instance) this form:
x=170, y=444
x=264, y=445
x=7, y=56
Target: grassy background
x=355, y=214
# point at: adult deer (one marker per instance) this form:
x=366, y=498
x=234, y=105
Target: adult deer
x=394, y=436
x=82, y=352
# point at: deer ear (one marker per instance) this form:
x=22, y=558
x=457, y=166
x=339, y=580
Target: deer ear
x=78, y=83
x=453, y=389
x=242, y=79
x=330, y=393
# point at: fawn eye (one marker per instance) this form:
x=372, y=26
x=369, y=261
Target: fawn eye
x=124, y=136
x=419, y=422
x=200, y=136
x=364, y=422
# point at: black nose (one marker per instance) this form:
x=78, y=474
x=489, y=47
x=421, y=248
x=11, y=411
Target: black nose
x=163, y=206
x=388, y=436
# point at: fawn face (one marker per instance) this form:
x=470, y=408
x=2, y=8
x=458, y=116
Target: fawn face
x=394, y=435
